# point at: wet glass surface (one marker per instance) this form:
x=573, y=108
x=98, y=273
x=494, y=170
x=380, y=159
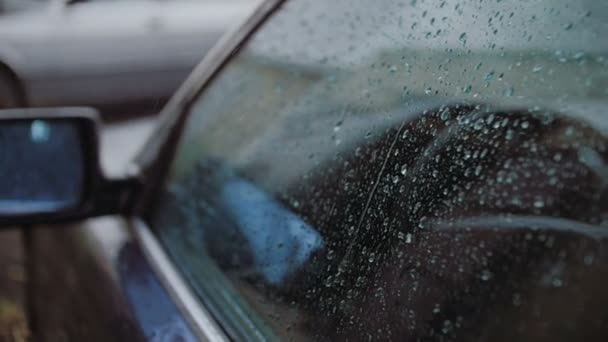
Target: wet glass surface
x=402, y=170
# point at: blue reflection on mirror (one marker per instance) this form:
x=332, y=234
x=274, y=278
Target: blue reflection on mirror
x=41, y=166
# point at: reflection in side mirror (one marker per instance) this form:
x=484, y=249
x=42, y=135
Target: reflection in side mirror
x=42, y=165
x=49, y=168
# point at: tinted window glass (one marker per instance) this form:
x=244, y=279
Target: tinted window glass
x=402, y=170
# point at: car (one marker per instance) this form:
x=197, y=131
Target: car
x=9, y=6
x=106, y=53
x=344, y=170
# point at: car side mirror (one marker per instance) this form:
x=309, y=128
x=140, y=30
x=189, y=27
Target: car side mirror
x=50, y=170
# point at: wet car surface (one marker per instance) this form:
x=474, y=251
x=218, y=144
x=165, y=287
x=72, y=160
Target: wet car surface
x=425, y=171
x=354, y=171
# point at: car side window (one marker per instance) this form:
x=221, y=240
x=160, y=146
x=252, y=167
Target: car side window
x=402, y=170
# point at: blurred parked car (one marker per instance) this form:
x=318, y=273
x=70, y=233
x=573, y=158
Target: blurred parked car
x=9, y=6
x=105, y=52
x=339, y=170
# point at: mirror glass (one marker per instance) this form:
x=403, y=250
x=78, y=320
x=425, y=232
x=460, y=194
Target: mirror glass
x=42, y=166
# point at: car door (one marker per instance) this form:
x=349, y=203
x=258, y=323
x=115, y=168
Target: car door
x=385, y=171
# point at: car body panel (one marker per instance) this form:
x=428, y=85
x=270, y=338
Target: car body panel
x=9, y=6
x=78, y=54
x=92, y=282
x=73, y=290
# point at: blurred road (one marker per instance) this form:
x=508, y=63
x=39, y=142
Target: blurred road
x=120, y=141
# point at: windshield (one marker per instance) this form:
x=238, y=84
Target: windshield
x=402, y=170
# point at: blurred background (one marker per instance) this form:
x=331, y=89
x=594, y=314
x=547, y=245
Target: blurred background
x=124, y=57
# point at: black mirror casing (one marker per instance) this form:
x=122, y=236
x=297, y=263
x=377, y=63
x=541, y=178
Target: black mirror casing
x=82, y=192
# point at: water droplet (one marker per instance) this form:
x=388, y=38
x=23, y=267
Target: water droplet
x=486, y=275
x=404, y=169
x=557, y=157
x=467, y=89
x=516, y=201
x=447, y=327
x=463, y=38
x=516, y=299
x=337, y=127
x=489, y=76
x=393, y=69
x=428, y=91
x=500, y=178
x=568, y=26
x=537, y=68
x=556, y=282
x=539, y=203
x=408, y=238
x=525, y=124
x=509, y=92
x=478, y=124
x=371, y=257
x=484, y=153
x=569, y=132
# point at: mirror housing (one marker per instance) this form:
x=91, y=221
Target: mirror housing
x=50, y=168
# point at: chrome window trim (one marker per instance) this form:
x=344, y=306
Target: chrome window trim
x=176, y=110
x=203, y=324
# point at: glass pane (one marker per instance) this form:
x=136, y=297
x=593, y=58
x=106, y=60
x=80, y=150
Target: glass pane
x=403, y=170
x=42, y=166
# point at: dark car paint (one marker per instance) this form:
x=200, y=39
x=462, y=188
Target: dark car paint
x=71, y=293
x=152, y=307
x=78, y=295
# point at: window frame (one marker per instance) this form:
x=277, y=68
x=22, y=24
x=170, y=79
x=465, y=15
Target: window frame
x=153, y=161
x=152, y=165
